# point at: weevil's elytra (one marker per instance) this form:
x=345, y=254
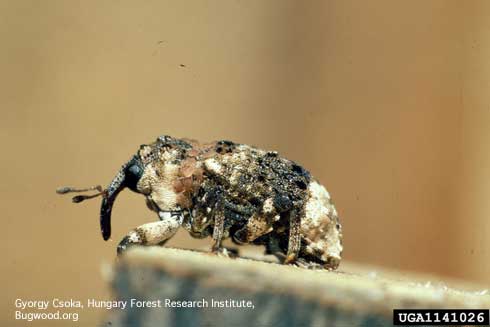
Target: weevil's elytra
x=228, y=190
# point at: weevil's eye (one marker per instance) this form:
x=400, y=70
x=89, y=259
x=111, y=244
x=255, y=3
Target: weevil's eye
x=133, y=173
x=135, y=170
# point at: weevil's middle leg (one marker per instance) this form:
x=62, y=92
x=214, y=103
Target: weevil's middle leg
x=155, y=233
x=219, y=227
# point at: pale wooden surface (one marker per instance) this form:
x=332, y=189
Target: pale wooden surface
x=283, y=295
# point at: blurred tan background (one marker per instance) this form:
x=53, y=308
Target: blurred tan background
x=385, y=102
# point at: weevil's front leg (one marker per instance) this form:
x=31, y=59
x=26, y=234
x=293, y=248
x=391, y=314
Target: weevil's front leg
x=294, y=243
x=155, y=233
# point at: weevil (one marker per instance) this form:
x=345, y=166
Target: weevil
x=226, y=190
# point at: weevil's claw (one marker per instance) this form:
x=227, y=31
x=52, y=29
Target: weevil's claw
x=124, y=245
x=290, y=259
x=220, y=252
x=225, y=252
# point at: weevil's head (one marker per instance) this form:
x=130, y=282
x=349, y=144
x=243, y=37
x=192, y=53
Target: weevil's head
x=165, y=171
x=152, y=171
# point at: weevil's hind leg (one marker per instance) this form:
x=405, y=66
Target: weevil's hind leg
x=155, y=233
x=294, y=243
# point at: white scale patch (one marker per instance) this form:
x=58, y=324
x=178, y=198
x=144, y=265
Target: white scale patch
x=161, y=190
x=317, y=225
x=213, y=165
x=318, y=206
x=268, y=206
x=134, y=237
x=235, y=174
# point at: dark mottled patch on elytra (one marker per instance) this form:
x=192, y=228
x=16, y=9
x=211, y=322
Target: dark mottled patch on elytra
x=272, y=154
x=233, y=218
x=300, y=170
x=256, y=202
x=168, y=141
x=224, y=146
x=301, y=184
x=282, y=203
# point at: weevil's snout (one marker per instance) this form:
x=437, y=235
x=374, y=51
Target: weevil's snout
x=112, y=191
x=128, y=176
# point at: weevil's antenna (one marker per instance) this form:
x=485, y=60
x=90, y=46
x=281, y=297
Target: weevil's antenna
x=69, y=189
x=80, y=198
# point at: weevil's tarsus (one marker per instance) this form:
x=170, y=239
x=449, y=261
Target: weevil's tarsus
x=303, y=263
